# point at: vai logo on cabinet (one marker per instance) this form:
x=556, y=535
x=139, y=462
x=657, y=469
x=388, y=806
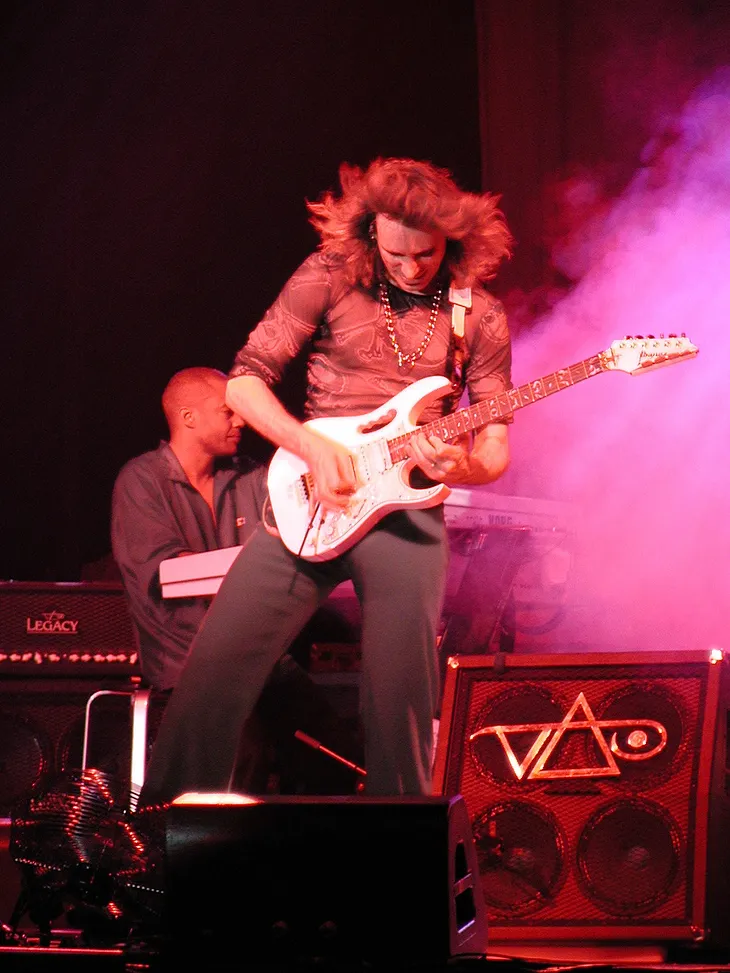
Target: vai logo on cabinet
x=542, y=760
x=595, y=785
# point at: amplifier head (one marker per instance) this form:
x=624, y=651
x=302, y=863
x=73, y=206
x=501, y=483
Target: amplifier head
x=65, y=625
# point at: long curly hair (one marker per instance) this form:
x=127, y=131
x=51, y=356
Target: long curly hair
x=420, y=195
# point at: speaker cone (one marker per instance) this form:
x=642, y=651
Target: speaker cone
x=521, y=854
x=653, y=737
x=517, y=706
x=629, y=857
x=25, y=755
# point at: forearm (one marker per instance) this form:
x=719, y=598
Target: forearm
x=252, y=399
x=487, y=460
x=330, y=462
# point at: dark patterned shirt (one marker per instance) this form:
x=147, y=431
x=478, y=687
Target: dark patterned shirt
x=352, y=367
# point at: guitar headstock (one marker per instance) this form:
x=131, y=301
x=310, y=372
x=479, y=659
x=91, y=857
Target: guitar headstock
x=637, y=353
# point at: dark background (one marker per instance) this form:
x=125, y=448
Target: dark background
x=156, y=156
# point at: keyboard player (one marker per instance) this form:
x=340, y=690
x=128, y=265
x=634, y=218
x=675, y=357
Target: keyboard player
x=190, y=495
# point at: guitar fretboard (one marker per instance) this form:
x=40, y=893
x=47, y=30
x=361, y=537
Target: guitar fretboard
x=476, y=416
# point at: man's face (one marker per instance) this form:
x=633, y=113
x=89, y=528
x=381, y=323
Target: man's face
x=218, y=428
x=411, y=257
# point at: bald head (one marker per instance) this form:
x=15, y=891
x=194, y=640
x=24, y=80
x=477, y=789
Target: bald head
x=200, y=421
x=188, y=389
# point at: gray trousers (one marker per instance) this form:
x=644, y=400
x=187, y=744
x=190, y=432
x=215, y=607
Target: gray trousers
x=398, y=571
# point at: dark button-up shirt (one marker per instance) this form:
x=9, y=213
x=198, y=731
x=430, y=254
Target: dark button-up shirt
x=158, y=514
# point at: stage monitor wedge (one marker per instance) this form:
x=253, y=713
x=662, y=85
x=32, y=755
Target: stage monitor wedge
x=351, y=879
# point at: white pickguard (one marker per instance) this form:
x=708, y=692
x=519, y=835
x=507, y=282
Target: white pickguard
x=385, y=485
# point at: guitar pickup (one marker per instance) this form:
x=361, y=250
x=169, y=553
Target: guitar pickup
x=304, y=487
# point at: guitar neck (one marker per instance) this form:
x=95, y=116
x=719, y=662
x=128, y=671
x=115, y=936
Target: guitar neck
x=477, y=416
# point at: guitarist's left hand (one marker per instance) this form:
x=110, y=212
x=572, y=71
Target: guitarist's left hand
x=456, y=463
x=437, y=459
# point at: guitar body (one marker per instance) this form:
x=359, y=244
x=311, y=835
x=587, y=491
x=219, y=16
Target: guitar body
x=385, y=482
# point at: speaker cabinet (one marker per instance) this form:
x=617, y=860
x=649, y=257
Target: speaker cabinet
x=42, y=731
x=292, y=879
x=42, y=735
x=597, y=792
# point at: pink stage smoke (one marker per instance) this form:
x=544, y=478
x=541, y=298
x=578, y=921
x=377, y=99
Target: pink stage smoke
x=642, y=460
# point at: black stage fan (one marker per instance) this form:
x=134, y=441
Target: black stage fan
x=82, y=853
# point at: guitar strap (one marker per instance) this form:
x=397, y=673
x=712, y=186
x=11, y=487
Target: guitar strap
x=460, y=298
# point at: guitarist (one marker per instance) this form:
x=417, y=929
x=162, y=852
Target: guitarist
x=373, y=310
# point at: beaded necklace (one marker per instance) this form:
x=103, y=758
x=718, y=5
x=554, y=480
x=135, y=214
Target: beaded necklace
x=413, y=357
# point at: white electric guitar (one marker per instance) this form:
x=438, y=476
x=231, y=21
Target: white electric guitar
x=380, y=456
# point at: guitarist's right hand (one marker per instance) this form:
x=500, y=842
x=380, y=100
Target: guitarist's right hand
x=333, y=471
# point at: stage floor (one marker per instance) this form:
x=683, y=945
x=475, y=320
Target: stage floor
x=66, y=953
